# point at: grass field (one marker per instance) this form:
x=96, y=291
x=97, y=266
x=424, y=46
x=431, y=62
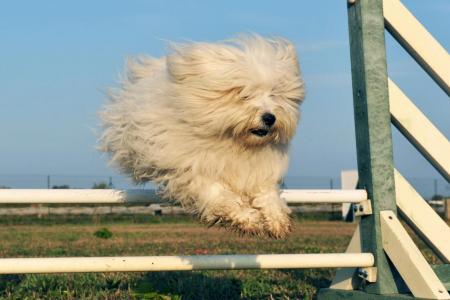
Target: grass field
x=145, y=235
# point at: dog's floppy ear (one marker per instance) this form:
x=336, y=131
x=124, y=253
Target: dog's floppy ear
x=197, y=61
x=286, y=54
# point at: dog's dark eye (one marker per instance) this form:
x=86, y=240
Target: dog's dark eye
x=245, y=98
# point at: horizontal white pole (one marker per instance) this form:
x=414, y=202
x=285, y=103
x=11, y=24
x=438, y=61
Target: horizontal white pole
x=77, y=196
x=323, y=196
x=94, y=196
x=183, y=263
x=419, y=43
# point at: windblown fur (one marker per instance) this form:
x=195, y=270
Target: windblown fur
x=192, y=122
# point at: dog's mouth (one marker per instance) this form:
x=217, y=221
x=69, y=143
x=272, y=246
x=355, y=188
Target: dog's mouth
x=259, y=132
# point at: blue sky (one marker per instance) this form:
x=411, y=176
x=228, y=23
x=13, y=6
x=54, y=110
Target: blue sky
x=57, y=58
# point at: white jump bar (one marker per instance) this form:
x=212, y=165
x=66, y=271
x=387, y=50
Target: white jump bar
x=183, y=263
x=77, y=196
x=94, y=196
x=323, y=196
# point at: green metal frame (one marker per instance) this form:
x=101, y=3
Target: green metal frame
x=373, y=129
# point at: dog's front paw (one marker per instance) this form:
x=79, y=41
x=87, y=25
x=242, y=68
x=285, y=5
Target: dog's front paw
x=275, y=214
x=234, y=215
x=277, y=225
x=248, y=221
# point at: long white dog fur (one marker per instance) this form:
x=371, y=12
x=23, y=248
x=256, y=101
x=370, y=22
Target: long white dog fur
x=211, y=123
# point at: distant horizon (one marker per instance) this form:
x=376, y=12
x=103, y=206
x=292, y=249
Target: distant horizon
x=426, y=186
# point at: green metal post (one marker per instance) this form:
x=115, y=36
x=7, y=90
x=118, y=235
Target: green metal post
x=374, y=148
x=373, y=140
x=373, y=128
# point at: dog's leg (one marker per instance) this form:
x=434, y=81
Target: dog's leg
x=218, y=205
x=275, y=212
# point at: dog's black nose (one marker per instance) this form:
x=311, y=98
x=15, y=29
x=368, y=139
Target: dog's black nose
x=268, y=119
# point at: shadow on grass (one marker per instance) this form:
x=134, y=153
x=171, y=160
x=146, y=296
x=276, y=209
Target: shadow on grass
x=8, y=281
x=317, y=278
x=188, y=285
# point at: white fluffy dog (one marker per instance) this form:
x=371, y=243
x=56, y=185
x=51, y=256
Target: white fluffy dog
x=210, y=123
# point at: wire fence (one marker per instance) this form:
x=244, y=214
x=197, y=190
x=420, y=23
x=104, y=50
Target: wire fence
x=427, y=187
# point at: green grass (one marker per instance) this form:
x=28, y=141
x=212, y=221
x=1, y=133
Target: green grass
x=147, y=235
